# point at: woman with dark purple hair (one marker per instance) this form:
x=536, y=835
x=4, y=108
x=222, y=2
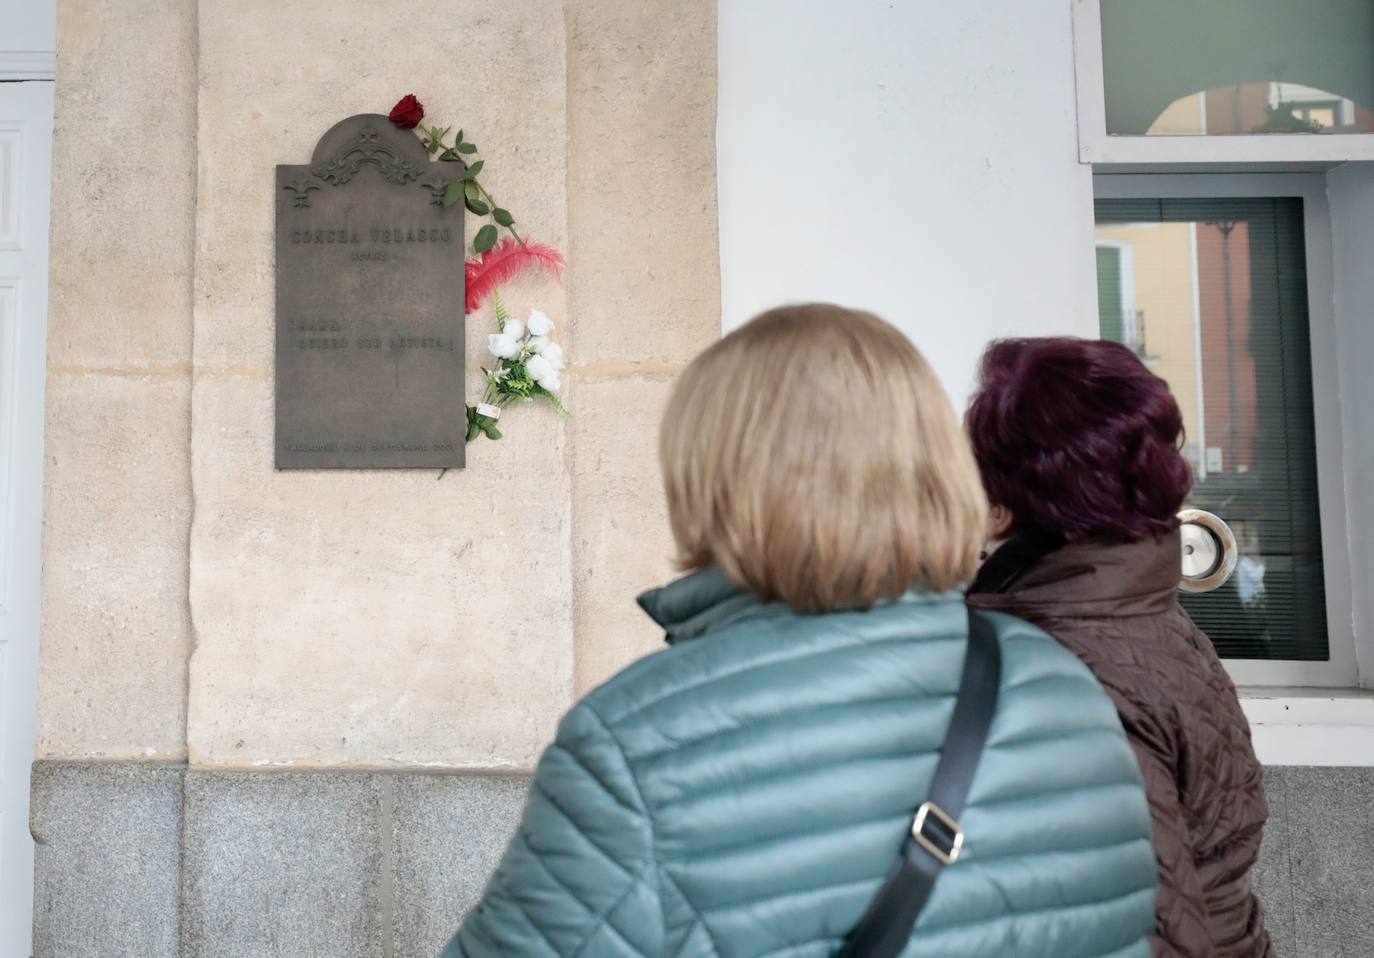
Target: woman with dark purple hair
x=1078, y=445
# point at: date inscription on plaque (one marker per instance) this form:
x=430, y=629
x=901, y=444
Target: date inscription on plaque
x=369, y=367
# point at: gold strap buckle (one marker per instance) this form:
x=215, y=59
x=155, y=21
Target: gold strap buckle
x=956, y=843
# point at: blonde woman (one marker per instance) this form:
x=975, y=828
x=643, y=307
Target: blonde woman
x=766, y=784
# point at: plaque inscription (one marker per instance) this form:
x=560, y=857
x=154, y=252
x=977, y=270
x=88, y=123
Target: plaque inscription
x=369, y=349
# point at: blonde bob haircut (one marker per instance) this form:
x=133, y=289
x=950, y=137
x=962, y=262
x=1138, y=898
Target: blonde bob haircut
x=813, y=455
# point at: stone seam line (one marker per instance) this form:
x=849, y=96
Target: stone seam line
x=604, y=370
x=191, y=636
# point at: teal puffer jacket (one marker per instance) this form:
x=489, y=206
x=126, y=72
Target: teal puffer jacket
x=744, y=792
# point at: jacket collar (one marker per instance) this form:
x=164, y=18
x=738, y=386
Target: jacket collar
x=697, y=603
x=1013, y=559
x=704, y=601
x=1086, y=578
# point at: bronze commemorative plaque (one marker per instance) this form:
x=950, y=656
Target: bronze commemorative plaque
x=369, y=352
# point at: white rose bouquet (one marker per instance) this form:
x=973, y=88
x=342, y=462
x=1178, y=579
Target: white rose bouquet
x=528, y=366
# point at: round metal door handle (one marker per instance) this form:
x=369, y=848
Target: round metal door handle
x=1209, y=551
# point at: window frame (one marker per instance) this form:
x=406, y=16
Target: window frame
x=1097, y=146
x=1341, y=669
x=1125, y=251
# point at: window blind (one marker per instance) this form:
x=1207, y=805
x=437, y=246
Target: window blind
x=1212, y=294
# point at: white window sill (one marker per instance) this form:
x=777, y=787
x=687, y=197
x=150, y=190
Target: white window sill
x=1309, y=726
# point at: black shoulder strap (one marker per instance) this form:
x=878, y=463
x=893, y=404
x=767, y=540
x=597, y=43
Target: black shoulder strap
x=936, y=839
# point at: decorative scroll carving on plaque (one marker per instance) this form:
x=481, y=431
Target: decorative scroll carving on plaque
x=369, y=146
x=370, y=306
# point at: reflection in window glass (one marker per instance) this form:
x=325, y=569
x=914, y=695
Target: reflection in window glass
x=1223, y=67
x=1212, y=295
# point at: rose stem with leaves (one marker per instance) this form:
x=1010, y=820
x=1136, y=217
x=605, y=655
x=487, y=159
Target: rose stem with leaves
x=474, y=195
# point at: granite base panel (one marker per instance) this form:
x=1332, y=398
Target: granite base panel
x=158, y=861
x=107, y=859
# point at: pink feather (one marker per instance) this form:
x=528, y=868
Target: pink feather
x=502, y=263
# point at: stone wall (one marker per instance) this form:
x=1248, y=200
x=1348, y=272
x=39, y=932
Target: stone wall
x=371, y=617
x=205, y=615
x=199, y=604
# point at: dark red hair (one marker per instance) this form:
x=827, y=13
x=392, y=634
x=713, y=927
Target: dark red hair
x=1078, y=437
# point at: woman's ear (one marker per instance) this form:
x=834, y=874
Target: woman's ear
x=999, y=530
x=999, y=523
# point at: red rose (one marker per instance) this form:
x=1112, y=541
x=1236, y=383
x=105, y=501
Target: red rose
x=407, y=113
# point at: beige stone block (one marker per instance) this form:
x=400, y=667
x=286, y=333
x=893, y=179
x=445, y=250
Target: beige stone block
x=372, y=617
x=116, y=631
x=112, y=679
x=644, y=278
x=376, y=618
x=621, y=540
x=123, y=186
x=643, y=286
x=379, y=617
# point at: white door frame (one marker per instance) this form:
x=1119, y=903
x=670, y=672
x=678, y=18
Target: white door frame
x=25, y=187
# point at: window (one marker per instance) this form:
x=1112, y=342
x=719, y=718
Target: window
x=1207, y=279
x=1181, y=84
x=1119, y=318
x=1258, y=101
x=1226, y=67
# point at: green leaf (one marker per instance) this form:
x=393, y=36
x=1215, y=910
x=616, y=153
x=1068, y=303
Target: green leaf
x=458, y=138
x=453, y=192
x=485, y=239
x=465, y=148
x=502, y=217
x=553, y=400
x=478, y=207
x=471, y=191
x=448, y=156
x=475, y=169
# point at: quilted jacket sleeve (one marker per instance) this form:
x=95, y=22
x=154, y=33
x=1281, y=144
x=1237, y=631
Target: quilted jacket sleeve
x=1181, y=927
x=579, y=877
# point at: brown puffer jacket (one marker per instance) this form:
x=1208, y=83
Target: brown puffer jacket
x=1116, y=607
